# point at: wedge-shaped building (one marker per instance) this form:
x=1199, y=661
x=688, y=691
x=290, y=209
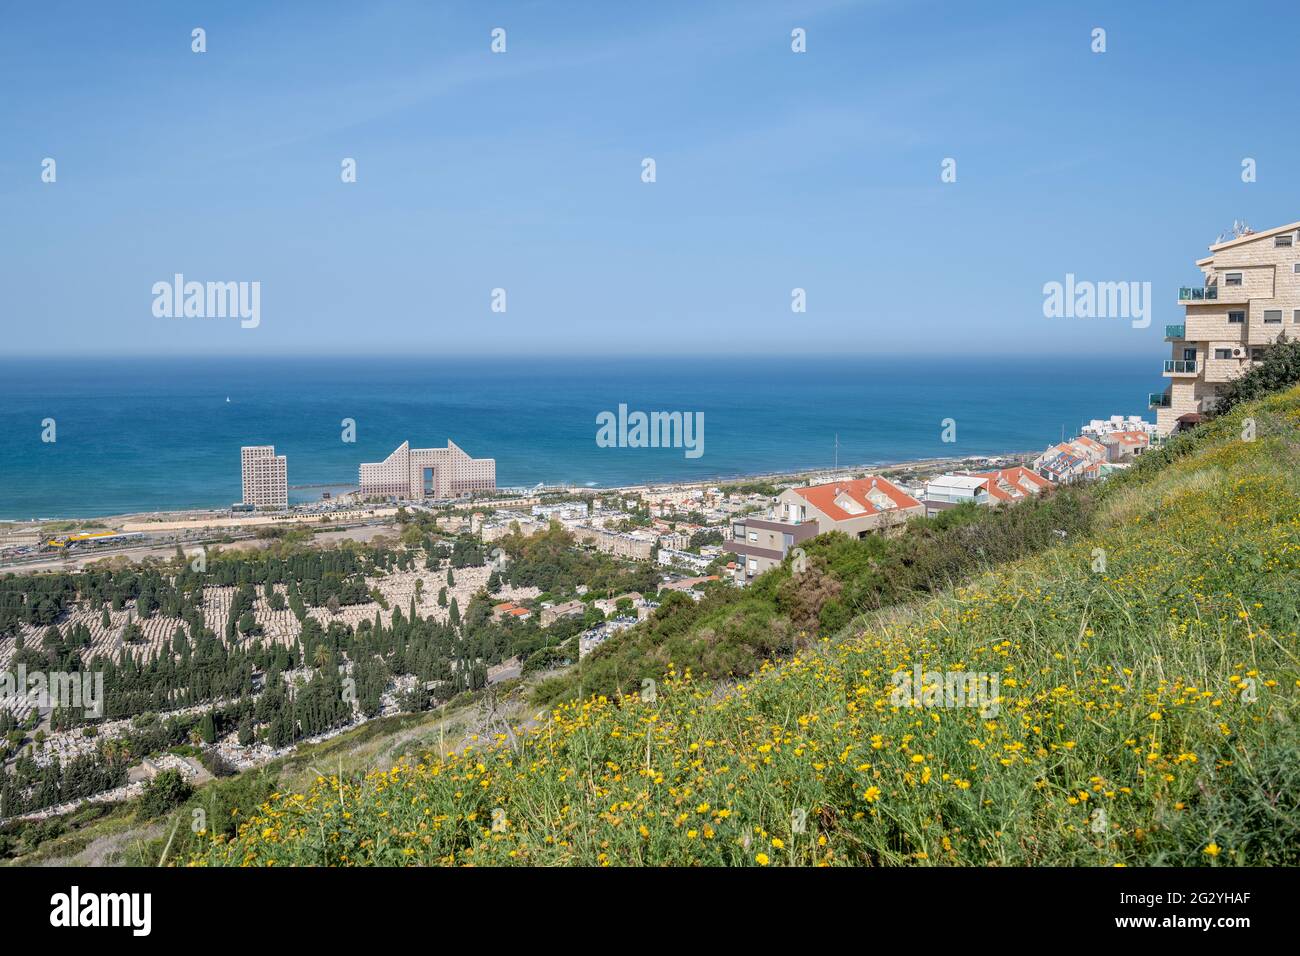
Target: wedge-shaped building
x=415, y=473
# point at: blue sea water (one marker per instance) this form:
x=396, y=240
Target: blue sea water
x=159, y=434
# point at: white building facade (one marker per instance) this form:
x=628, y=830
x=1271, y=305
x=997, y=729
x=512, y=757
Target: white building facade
x=415, y=473
x=265, y=477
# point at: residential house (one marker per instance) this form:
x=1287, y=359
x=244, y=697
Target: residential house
x=609, y=606
x=949, y=491
x=982, y=488
x=510, y=610
x=1125, y=446
x=856, y=507
x=1071, y=461
x=556, y=611
x=1013, y=484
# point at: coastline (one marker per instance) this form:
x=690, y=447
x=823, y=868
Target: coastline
x=914, y=465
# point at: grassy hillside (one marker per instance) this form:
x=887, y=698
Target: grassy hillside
x=1147, y=715
x=732, y=631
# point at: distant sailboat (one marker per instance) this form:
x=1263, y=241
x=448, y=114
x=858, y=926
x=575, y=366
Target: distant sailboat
x=227, y=399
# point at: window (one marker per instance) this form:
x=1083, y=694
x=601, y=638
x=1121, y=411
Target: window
x=1232, y=278
x=1236, y=318
x=1272, y=316
x=753, y=536
x=1257, y=355
x=1223, y=353
x=1280, y=242
x=1295, y=267
x=1295, y=316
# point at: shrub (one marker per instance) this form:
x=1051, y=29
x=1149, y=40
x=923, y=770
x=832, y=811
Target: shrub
x=166, y=790
x=1280, y=369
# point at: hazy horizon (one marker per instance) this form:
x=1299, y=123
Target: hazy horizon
x=1154, y=348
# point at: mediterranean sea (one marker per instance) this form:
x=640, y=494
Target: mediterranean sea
x=156, y=434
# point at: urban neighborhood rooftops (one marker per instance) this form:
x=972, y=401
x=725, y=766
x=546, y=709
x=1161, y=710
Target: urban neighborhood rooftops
x=1012, y=484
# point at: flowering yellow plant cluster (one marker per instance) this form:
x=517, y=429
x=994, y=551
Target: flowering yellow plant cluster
x=1146, y=712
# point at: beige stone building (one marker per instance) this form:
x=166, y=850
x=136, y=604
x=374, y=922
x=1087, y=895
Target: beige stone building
x=415, y=473
x=265, y=477
x=1251, y=293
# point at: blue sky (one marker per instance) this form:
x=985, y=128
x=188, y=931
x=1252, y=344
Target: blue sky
x=521, y=170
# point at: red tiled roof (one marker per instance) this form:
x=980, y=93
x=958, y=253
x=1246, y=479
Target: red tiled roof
x=1019, y=476
x=1087, y=442
x=822, y=497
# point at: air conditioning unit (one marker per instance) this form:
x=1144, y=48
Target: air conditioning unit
x=1239, y=353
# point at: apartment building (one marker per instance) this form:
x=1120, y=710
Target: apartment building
x=857, y=508
x=761, y=543
x=674, y=540
x=1250, y=294
x=1099, y=428
x=265, y=477
x=564, y=511
x=637, y=545
x=415, y=473
x=673, y=557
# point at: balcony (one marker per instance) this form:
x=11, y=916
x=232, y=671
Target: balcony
x=1158, y=400
x=1181, y=366
x=1198, y=293
x=1175, y=331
